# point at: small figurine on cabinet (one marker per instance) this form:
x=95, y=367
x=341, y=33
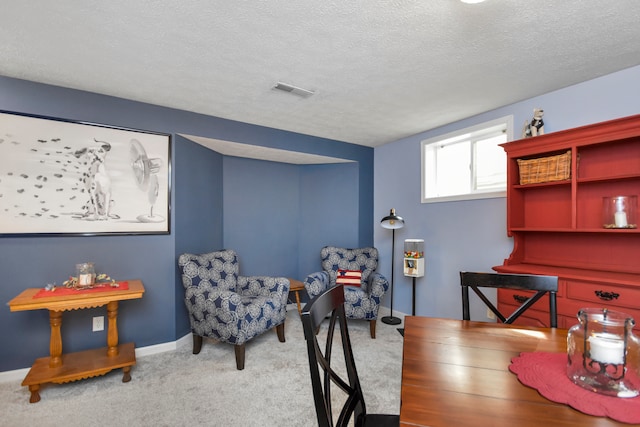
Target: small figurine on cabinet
x=536, y=127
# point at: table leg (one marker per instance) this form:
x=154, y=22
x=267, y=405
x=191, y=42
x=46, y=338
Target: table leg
x=35, y=393
x=112, y=332
x=55, y=343
x=298, y=301
x=126, y=374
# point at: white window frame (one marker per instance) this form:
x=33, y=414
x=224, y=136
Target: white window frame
x=474, y=131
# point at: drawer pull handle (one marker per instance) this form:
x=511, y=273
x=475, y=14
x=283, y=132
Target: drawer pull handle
x=520, y=299
x=606, y=296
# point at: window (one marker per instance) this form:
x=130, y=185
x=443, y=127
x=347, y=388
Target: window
x=466, y=164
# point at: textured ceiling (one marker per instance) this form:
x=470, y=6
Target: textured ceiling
x=380, y=69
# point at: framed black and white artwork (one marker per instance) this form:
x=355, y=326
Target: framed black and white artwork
x=60, y=177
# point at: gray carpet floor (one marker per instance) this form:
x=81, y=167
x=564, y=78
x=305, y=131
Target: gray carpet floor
x=178, y=388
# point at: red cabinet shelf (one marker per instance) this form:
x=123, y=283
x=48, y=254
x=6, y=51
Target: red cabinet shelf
x=574, y=230
x=557, y=227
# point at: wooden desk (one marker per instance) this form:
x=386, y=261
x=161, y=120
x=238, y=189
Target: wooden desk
x=456, y=373
x=61, y=368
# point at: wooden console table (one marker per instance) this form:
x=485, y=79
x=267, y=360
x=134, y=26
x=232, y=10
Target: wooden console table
x=62, y=368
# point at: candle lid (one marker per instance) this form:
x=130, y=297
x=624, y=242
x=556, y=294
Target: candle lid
x=606, y=317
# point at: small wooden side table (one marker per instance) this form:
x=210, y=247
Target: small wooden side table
x=62, y=368
x=296, y=286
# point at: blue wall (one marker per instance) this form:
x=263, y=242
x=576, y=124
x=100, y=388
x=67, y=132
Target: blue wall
x=296, y=206
x=198, y=210
x=261, y=215
x=328, y=201
x=200, y=190
x=471, y=235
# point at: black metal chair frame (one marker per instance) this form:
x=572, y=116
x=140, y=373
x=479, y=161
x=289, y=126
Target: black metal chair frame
x=525, y=282
x=331, y=303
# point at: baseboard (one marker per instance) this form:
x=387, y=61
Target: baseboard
x=19, y=374
x=164, y=347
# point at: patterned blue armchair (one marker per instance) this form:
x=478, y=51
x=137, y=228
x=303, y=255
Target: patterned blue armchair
x=228, y=307
x=355, y=268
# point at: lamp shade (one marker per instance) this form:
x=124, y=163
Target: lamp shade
x=392, y=221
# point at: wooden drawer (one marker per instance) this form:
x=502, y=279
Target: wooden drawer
x=604, y=294
x=568, y=312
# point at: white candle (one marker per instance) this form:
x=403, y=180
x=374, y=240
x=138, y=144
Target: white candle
x=85, y=279
x=621, y=219
x=607, y=348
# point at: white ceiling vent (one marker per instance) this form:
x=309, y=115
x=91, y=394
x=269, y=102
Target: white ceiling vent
x=293, y=89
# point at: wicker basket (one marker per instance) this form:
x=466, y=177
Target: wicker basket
x=545, y=169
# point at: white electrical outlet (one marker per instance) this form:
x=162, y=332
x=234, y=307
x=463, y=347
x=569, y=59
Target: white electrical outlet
x=490, y=314
x=98, y=323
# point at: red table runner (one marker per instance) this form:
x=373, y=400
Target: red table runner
x=63, y=291
x=547, y=373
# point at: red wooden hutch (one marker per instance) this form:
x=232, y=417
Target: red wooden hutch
x=557, y=226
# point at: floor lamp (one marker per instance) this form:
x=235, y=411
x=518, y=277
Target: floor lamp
x=392, y=222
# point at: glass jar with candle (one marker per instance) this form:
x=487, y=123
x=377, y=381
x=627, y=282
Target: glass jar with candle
x=86, y=274
x=619, y=212
x=603, y=354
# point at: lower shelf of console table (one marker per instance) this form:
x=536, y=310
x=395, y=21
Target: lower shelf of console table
x=78, y=366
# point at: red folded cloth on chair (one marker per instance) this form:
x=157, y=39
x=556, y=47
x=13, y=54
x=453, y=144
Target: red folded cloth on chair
x=63, y=291
x=547, y=373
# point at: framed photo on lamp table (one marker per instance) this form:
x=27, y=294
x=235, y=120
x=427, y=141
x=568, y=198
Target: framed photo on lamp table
x=61, y=177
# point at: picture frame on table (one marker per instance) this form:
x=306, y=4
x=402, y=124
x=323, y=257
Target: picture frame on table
x=64, y=177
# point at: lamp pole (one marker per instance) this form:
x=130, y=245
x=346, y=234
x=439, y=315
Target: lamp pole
x=392, y=221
